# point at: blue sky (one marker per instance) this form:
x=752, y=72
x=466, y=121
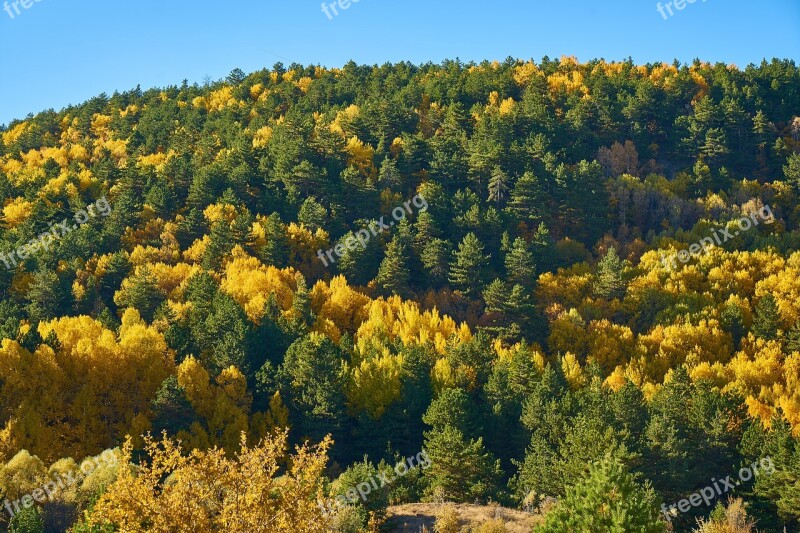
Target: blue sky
x=60, y=52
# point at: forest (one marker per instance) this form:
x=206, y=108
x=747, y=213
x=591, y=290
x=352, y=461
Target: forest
x=570, y=289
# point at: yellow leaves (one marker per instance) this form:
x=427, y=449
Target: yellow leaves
x=673, y=345
x=336, y=301
x=17, y=211
x=130, y=110
x=218, y=212
x=157, y=161
x=99, y=381
x=208, y=491
x=262, y=137
x=196, y=251
x=304, y=83
x=523, y=73
x=221, y=98
x=572, y=371
x=11, y=136
x=223, y=406
x=568, y=334
x=99, y=125
x=375, y=384
x=343, y=119
x=507, y=106
x=118, y=149
x=569, y=83
x=250, y=283
x=361, y=156
x=610, y=344
x=255, y=91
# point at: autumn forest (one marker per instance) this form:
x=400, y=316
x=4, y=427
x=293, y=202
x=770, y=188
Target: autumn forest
x=569, y=289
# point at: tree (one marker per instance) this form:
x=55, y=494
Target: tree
x=140, y=292
x=730, y=519
x=469, y=265
x=312, y=214
x=793, y=338
x=207, y=491
x=313, y=379
x=454, y=408
x=609, y=282
x=792, y=171
x=393, y=274
x=520, y=265
x=276, y=245
x=47, y=296
x=528, y=200
x=608, y=499
x=767, y=318
x=435, y=259
x=498, y=186
x=461, y=470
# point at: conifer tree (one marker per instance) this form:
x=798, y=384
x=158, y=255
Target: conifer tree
x=520, y=265
x=608, y=500
x=393, y=274
x=767, y=318
x=609, y=282
x=468, y=267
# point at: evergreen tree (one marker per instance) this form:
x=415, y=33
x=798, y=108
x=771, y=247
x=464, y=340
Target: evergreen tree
x=608, y=500
x=461, y=470
x=435, y=259
x=609, y=282
x=276, y=248
x=498, y=186
x=393, y=274
x=766, y=318
x=47, y=295
x=220, y=244
x=732, y=319
x=312, y=215
x=528, y=200
x=793, y=338
x=520, y=265
x=468, y=268
x=143, y=295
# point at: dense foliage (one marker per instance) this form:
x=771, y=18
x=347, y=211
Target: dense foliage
x=526, y=327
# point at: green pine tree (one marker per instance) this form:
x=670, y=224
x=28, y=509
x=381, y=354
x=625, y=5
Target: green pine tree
x=498, y=186
x=608, y=500
x=393, y=274
x=520, y=265
x=528, y=201
x=276, y=248
x=767, y=318
x=467, y=269
x=609, y=282
x=793, y=338
x=459, y=468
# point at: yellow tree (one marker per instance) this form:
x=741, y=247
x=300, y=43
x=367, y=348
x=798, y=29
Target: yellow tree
x=208, y=491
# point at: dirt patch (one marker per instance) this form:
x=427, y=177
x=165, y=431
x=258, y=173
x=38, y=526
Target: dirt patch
x=413, y=517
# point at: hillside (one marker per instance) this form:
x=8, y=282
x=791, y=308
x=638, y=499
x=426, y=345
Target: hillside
x=520, y=281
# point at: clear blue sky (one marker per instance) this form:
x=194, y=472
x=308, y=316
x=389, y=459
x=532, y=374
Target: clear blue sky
x=60, y=52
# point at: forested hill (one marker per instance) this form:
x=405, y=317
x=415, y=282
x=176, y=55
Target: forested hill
x=506, y=265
